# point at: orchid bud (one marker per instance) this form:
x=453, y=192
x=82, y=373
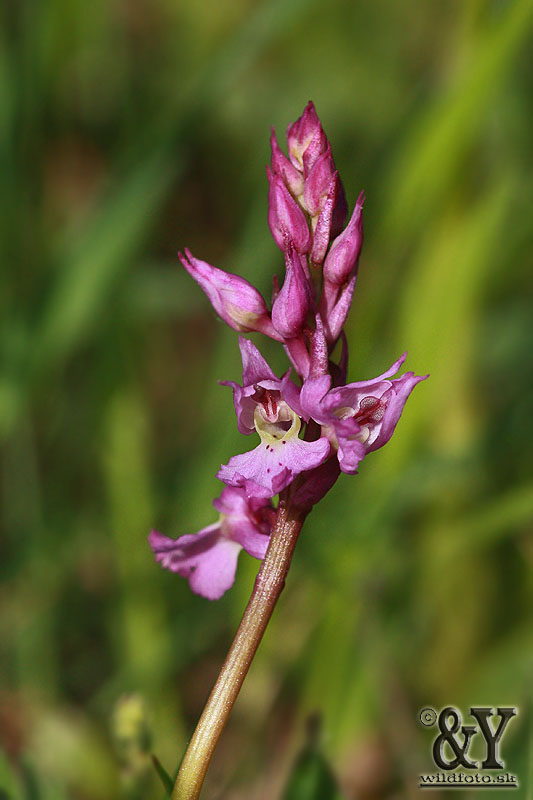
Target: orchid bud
x=318, y=182
x=281, y=166
x=335, y=320
x=234, y=299
x=306, y=134
x=285, y=217
x=341, y=261
x=322, y=227
x=314, y=150
x=291, y=305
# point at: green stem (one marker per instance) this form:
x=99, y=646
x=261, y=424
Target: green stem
x=267, y=589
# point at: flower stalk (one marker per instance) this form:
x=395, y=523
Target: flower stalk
x=267, y=589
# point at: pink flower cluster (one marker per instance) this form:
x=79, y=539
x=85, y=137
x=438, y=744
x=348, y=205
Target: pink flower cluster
x=311, y=426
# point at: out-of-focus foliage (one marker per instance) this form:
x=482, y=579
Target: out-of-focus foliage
x=129, y=129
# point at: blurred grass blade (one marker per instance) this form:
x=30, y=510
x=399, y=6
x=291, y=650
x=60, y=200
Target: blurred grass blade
x=499, y=517
x=268, y=20
x=439, y=314
x=143, y=647
x=91, y=268
x=312, y=777
x=144, y=650
x=433, y=153
x=166, y=780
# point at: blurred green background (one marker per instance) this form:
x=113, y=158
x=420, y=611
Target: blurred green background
x=130, y=129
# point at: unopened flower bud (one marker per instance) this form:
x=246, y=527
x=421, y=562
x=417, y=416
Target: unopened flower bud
x=341, y=261
x=291, y=305
x=314, y=150
x=293, y=179
x=234, y=299
x=322, y=227
x=285, y=217
x=318, y=182
x=306, y=134
x=335, y=320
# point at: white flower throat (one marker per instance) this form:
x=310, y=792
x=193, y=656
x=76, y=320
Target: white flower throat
x=274, y=419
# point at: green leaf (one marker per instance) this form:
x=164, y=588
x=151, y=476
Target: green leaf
x=166, y=780
x=312, y=777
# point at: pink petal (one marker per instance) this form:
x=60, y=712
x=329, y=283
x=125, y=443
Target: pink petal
x=207, y=558
x=344, y=395
x=245, y=533
x=254, y=366
x=291, y=393
x=350, y=453
x=257, y=466
x=312, y=395
x=215, y=572
x=274, y=466
x=401, y=389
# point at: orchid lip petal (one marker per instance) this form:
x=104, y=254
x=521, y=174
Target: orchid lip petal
x=208, y=559
x=274, y=466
